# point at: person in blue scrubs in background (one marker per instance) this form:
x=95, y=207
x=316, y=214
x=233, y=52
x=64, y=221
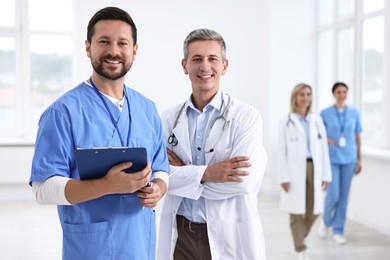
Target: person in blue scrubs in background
x=343, y=129
x=111, y=217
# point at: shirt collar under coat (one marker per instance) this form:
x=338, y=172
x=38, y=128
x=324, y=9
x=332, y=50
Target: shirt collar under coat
x=307, y=119
x=216, y=102
x=181, y=130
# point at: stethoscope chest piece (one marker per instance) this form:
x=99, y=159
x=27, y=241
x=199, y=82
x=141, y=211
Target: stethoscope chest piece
x=172, y=140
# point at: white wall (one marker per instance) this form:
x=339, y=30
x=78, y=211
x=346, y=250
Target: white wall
x=162, y=27
x=290, y=60
x=370, y=193
x=270, y=47
x=15, y=165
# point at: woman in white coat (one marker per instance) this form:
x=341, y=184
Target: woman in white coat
x=303, y=166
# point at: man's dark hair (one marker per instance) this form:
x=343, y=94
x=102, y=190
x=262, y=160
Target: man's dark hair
x=111, y=13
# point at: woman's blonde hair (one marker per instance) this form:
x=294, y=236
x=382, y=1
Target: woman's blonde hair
x=294, y=94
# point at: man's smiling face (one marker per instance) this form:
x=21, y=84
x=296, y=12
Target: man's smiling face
x=112, y=50
x=205, y=65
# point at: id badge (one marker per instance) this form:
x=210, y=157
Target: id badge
x=342, y=141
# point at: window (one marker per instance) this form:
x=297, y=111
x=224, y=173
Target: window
x=325, y=11
x=325, y=67
x=7, y=84
x=345, y=59
x=36, y=53
x=351, y=48
x=345, y=7
x=372, y=80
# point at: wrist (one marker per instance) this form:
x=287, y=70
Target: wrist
x=102, y=186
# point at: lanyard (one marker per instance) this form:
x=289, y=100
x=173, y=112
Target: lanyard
x=342, y=120
x=115, y=122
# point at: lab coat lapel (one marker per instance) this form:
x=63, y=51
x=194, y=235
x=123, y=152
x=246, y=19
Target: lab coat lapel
x=214, y=137
x=298, y=125
x=218, y=132
x=314, y=131
x=182, y=135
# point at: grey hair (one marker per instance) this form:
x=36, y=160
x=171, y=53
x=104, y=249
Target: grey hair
x=204, y=35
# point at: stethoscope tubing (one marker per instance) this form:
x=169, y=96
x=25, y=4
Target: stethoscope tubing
x=172, y=140
x=290, y=121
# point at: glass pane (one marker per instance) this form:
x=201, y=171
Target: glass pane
x=325, y=10
x=325, y=69
x=51, y=70
x=345, y=7
x=7, y=13
x=373, y=5
x=373, y=114
x=7, y=85
x=345, y=60
x=59, y=19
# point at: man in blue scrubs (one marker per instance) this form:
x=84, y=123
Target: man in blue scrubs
x=111, y=217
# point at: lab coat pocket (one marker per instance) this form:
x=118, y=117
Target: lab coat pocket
x=87, y=241
x=251, y=239
x=294, y=151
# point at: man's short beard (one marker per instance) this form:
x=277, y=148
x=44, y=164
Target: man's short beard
x=99, y=70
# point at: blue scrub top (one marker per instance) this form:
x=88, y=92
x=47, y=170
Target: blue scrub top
x=334, y=121
x=113, y=226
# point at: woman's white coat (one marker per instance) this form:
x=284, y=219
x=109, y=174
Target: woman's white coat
x=292, y=163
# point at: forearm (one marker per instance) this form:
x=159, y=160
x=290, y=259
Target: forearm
x=77, y=191
x=60, y=190
x=358, y=144
x=249, y=183
x=248, y=143
x=185, y=181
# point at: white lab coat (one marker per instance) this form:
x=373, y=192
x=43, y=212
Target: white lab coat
x=292, y=163
x=233, y=220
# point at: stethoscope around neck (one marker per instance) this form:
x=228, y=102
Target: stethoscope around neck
x=172, y=140
x=295, y=138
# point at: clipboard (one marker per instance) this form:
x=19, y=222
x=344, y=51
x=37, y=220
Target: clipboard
x=96, y=162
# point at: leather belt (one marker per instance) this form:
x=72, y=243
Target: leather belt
x=200, y=228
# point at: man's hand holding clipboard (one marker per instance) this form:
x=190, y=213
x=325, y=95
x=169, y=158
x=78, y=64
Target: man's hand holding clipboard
x=106, y=171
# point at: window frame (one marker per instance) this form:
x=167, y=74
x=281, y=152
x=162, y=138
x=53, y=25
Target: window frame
x=355, y=21
x=24, y=134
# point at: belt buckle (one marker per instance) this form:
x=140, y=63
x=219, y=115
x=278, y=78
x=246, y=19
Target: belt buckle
x=189, y=227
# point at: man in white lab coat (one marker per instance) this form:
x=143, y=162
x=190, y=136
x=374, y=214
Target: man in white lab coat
x=217, y=160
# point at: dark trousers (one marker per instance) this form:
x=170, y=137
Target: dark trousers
x=192, y=242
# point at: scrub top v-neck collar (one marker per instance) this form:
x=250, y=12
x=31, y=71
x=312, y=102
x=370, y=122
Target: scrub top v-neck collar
x=115, y=122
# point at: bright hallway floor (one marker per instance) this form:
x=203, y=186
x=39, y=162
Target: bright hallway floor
x=29, y=231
